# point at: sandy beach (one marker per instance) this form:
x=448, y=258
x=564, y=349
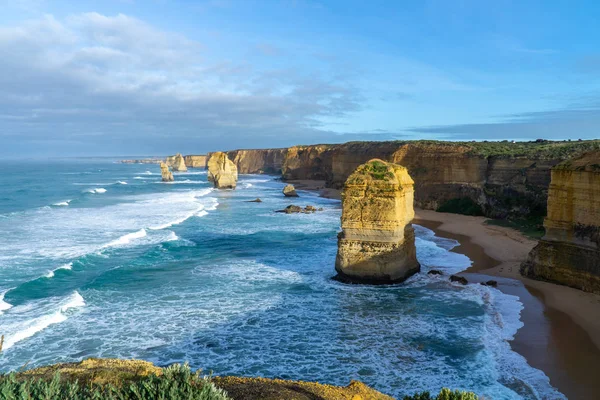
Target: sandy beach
x=561, y=332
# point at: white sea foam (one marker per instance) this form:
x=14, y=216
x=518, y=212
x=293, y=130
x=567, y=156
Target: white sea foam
x=202, y=213
x=29, y=324
x=75, y=301
x=172, y=237
x=126, y=239
x=256, y=180
x=95, y=190
x=3, y=304
x=50, y=274
x=192, y=173
x=434, y=252
x=139, y=177
x=148, y=173
x=121, y=182
x=177, y=221
x=185, y=182
x=62, y=203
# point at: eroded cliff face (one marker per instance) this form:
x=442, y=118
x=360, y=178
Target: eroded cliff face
x=222, y=172
x=196, y=161
x=259, y=161
x=308, y=162
x=569, y=253
x=504, y=179
x=377, y=242
x=176, y=162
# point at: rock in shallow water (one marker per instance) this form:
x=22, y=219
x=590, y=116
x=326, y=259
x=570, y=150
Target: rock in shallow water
x=293, y=209
x=460, y=279
x=290, y=191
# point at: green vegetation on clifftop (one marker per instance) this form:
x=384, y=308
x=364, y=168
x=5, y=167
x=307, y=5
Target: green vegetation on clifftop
x=175, y=382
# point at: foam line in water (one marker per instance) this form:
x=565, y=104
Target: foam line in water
x=177, y=221
x=29, y=327
x=62, y=203
x=95, y=190
x=185, y=182
x=126, y=239
x=3, y=304
x=121, y=183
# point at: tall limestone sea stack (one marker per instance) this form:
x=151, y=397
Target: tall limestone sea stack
x=377, y=242
x=167, y=176
x=222, y=172
x=569, y=253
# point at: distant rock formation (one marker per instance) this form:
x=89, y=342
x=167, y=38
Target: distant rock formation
x=289, y=191
x=377, y=242
x=143, y=161
x=177, y=163
x=293, y=209
x=195, y=161
x=222, y=172
x=569, y=253
x=167, y=176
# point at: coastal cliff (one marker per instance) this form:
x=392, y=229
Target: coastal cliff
x=501, y=179
x=569, y=253
x=496, y=179
x=259, y=161
x=195, y=161
x=377, y=242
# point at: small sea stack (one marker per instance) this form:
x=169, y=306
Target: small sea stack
x=222, y=172
x=377, y=242
x=289, y=191
x=569, y=253
x=167, y=175
x=177, y=163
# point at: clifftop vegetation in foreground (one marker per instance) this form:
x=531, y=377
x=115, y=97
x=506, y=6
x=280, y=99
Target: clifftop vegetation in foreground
x=140, y=380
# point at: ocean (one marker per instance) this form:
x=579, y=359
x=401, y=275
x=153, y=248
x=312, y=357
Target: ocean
x=102, y=259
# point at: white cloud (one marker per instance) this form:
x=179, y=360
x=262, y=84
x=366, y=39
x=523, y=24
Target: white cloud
x=126, y=79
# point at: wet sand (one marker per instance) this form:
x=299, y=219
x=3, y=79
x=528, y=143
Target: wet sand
x=561, y=332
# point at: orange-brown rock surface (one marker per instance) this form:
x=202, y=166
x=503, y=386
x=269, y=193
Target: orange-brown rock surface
x=196, y=161
x=166, y=174
x=377, y=242
x=222, y=172
x=176, y=162
x=569, y=253
x=258, y=161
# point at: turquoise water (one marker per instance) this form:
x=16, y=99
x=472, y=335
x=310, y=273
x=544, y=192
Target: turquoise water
x=102, y=259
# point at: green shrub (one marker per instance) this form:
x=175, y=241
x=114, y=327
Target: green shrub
x=445, y=394
x=177, y=382
x=463, y=205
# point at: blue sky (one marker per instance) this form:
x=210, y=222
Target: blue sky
x=159, y=76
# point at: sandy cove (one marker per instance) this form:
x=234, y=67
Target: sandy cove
x=561, y=332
